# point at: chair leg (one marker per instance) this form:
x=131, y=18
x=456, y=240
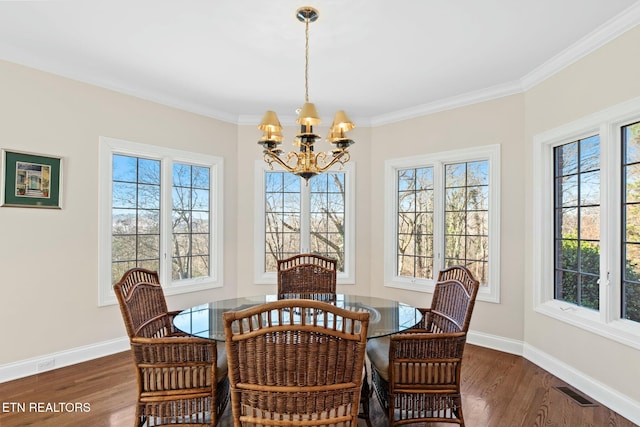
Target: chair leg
x=222, y=397
x=391, y=413
x=458, y=412
x=365, y=394
x=140, y=419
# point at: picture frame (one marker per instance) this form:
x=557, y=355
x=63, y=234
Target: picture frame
x=30, y=180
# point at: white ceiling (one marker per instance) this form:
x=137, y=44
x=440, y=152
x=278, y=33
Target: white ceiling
x=379, y=60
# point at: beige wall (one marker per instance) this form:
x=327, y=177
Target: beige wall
x=501, y=122
x=606, y=77
x=49, y=258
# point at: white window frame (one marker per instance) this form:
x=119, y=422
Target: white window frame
x=490, y=153
x=346, y=277
x=167, y=156
x=606, y=321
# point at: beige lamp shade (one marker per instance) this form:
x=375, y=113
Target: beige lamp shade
x=335, y=136
x=342, y=121
x=270, y=122
x=271, y=136
x=308, y=115
x=341, y=124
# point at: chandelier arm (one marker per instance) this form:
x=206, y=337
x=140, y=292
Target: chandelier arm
x=336, y=159
x=270, y=157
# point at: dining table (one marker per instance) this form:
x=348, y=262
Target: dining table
x=386, y=316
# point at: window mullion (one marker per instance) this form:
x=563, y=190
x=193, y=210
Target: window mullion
x=607, y=215
x=438, y=216
x=166, y=233
x=305, y=217
x=215, y=242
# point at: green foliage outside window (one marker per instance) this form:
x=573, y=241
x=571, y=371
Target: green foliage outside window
x=577, y=280
x=582, y=288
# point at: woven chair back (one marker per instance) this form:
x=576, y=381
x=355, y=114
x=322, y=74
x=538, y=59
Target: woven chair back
x=307, y=276
x=143, y=305
x=294, y=362
x=453, y=300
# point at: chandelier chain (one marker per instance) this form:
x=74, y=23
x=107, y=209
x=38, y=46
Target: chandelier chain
x=306, y=61
x=306, y=163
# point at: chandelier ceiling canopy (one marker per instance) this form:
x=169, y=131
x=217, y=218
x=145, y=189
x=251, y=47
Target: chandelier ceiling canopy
x=305, y=162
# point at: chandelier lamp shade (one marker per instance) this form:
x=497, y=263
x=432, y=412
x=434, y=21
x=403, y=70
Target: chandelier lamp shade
x=306, y=163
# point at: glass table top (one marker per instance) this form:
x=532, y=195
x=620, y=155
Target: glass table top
x=386, y=316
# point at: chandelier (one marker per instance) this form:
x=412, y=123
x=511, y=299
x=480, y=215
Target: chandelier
x=305, y=162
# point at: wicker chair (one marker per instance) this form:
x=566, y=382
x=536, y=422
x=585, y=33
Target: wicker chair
x=417, y=373
x=181, y=379
x=307, y=276
x=295, y=362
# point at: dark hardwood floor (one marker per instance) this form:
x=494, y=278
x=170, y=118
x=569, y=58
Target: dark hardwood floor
x=499, y=389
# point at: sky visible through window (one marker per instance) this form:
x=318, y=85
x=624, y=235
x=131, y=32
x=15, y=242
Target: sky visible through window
x=136, y=217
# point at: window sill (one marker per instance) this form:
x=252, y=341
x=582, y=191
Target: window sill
x=193, y=285
x=411, y=284
x=427, y=286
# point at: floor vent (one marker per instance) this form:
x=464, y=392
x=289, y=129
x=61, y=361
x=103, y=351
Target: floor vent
x=578, y=397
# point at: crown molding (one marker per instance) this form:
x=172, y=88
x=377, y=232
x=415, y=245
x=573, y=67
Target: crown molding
x=469, y=98
x=615, y=27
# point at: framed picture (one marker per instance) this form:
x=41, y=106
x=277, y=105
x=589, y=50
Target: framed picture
x=31, y=180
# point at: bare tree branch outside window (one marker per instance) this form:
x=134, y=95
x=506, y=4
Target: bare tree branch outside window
x=415, y=222
x=285, y=220
x=135, y=240
x=190, y=221
x=136, y=217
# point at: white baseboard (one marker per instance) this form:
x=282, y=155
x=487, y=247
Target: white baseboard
x=604, y=394
x=495, y=342
x=47, y=362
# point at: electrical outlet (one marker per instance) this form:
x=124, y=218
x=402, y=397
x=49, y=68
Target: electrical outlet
x=45, y=365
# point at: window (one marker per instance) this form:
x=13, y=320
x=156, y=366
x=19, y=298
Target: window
x=443, y=210
x=415, y=222
x=190, y=221
x=159, y=210
x=466, y=217
x=298, y=217
x=630, y=304
x=577, y=221
x=587, y=223
x=135, y=213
